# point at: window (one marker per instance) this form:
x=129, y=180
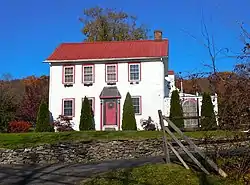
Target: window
x=68, y=107
x=92, y=103
x=189, y=110
x=137, y=104
x=68, y=76
x=111, y=73
x=88, y=73
x=134, y=72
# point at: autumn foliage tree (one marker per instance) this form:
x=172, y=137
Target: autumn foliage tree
x=234, y=111
x=111, y=25
x=8, y=104
x=36, y=91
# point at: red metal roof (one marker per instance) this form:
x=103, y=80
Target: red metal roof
x=113, y=49
x=170, y=72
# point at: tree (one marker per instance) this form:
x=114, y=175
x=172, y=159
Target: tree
x=128, y=116
x=86, y=119
x=245, y=35
x=43, y=119
x=111, y=25
x=8, y=103
x=176, y=110
x=36, y=91
x=208, y=121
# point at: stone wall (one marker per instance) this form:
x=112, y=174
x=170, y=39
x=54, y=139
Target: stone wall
x=92, y=151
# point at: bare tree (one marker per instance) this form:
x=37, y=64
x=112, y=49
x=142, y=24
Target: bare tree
x=245, y=35
x=233, y=89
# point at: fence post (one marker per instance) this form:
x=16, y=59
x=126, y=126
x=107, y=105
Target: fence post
x=165, y=142
x=191, y=143
x=186, y=151
x=178, y=156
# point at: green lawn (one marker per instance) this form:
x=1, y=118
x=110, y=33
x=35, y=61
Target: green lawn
x=33, y=138
x=159, y=174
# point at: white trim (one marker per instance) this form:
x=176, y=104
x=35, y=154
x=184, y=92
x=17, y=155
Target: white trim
x=139, y=68
x=93, y=103
x=102, y=59
x=73, y=106
x=92, y=81
x=140, y=104
x=116, y=69
x=70, y=66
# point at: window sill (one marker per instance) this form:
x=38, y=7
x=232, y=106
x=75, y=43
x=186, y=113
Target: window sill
x=69, y=117
x=111, y=83
x=138, y=114
x=68, y=84
x=134, y=82
x=88, y=83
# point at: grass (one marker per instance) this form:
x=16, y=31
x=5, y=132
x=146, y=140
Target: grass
x=33, y=139
x=159, y=174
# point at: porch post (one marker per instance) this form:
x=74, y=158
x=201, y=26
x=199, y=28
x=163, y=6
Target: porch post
x=118, y=114
x=101, y=114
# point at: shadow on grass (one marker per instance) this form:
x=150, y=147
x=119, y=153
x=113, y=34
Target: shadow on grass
x=203, y=179
x=123, y=177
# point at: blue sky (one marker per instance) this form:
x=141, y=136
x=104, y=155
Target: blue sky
x=31, y=29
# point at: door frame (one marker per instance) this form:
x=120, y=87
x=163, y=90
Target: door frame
x=103, y=112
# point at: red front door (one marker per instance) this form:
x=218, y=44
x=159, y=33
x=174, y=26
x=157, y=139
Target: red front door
x=110, y=112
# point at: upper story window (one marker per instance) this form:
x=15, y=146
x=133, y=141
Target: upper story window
x=137, y=104
x=134, y=72
x=68, y=107
x=68, y=74
x=111, y=73
x=88, y=74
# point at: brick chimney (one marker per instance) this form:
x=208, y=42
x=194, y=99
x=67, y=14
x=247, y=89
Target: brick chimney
x=158, y=35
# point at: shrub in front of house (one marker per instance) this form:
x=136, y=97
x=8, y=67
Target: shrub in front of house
x=43, y=119
x=176, y=110
x=208, y=120
x=128, y=116
x=87, y=117
x=63, y=124
x=18, y=126
x=148, y=124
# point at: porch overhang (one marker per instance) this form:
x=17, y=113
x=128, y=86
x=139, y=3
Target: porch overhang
x=110, y=92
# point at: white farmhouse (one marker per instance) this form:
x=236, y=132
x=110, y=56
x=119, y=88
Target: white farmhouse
x=104, y=72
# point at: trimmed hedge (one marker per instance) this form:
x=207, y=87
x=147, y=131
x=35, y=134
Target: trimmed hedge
x=43, y=119
x=86, y=119
x=208, y=120
x=128, y=116
x=176, y=109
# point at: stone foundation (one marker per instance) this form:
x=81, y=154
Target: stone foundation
x=94, y=151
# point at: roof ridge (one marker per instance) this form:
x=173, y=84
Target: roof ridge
x=101, y=42
x=110, y=49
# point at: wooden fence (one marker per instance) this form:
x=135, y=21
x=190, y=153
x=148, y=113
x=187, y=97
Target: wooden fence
x=167, y=145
